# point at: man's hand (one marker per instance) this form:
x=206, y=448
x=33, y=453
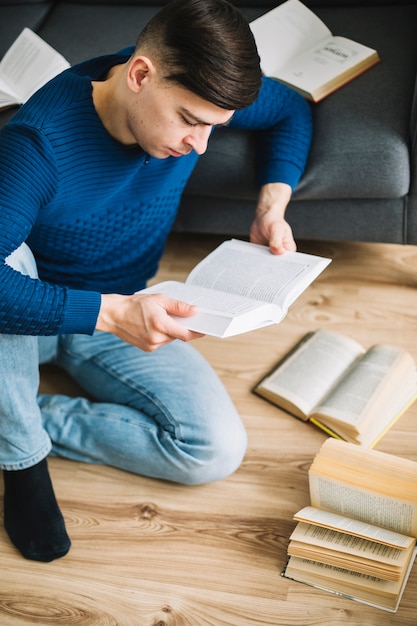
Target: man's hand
x=144, y=320
x=269, y=226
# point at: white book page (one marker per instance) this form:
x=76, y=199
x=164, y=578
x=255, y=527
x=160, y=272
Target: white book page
x=242, y=286
x=322, y=63
x=28, y=64
x=230, y=305
x=369, y=387
x=351, y=546
x=373, y=508
x=354, y=527
x=312, y=370
x=7, y=96
x=250, y=270
x=374, y=430
x=219, y=314
x=285, y=32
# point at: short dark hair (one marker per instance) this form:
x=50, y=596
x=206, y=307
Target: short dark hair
x=207, y=47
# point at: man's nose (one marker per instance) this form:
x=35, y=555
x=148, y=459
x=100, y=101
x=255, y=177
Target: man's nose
x=198, y=138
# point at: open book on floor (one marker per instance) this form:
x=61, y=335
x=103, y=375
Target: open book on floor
x=299, y=50
x=358, y=537
x=28, y=64
x=331, y=381
x=242, y=286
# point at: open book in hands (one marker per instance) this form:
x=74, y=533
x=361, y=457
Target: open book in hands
x=349, y=392
x=242, y=286
x=28, y=64
x=299, y=50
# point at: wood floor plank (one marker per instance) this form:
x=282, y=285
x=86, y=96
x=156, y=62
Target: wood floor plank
x=151, y=553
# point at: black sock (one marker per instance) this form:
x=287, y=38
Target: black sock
x=32, y=517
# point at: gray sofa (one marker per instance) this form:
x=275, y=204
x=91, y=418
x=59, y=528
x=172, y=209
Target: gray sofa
x=361, y=179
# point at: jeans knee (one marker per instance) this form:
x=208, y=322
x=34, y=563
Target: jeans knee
x=217, y=460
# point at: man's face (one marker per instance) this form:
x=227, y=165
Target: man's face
x=168, y=120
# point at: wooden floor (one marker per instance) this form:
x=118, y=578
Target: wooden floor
x=149, y=553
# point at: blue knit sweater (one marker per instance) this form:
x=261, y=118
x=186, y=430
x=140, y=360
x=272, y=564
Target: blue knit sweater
x=96, y=213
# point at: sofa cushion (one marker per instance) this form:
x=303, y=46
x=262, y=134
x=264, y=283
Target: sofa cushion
x=83, y=30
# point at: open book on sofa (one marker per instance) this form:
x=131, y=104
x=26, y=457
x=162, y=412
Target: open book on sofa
x=298, y=49
x=28, y=64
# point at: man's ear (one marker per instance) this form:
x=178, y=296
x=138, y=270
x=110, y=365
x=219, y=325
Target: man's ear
x=140, y=69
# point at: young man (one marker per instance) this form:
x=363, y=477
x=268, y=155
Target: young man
x=91, y=173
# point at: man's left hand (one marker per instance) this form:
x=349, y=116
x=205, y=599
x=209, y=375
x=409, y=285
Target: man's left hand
x=269, y=226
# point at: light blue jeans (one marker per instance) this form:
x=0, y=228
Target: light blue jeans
x=164, y=414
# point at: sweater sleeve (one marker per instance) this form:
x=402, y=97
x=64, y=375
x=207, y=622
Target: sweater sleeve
x=283, y=121
x=30, y=306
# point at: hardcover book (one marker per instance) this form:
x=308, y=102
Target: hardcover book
x=331, y=381
x=299, y=50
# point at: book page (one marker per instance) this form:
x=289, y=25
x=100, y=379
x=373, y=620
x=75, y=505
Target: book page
x=219, y=314
x=285, y=32
x=373, y=429
x=28, y=64
x=250, y=270
x=374, y=508
x=380, y=380
x=242, y=286
x=322, y=64
x=364, y=588
x=352, y=548
x=7, y=96
x=219, y=302
x=343, y=524
x=390, y=475
x=313, y=369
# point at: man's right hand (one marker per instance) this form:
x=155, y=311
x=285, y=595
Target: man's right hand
x=144, y=320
